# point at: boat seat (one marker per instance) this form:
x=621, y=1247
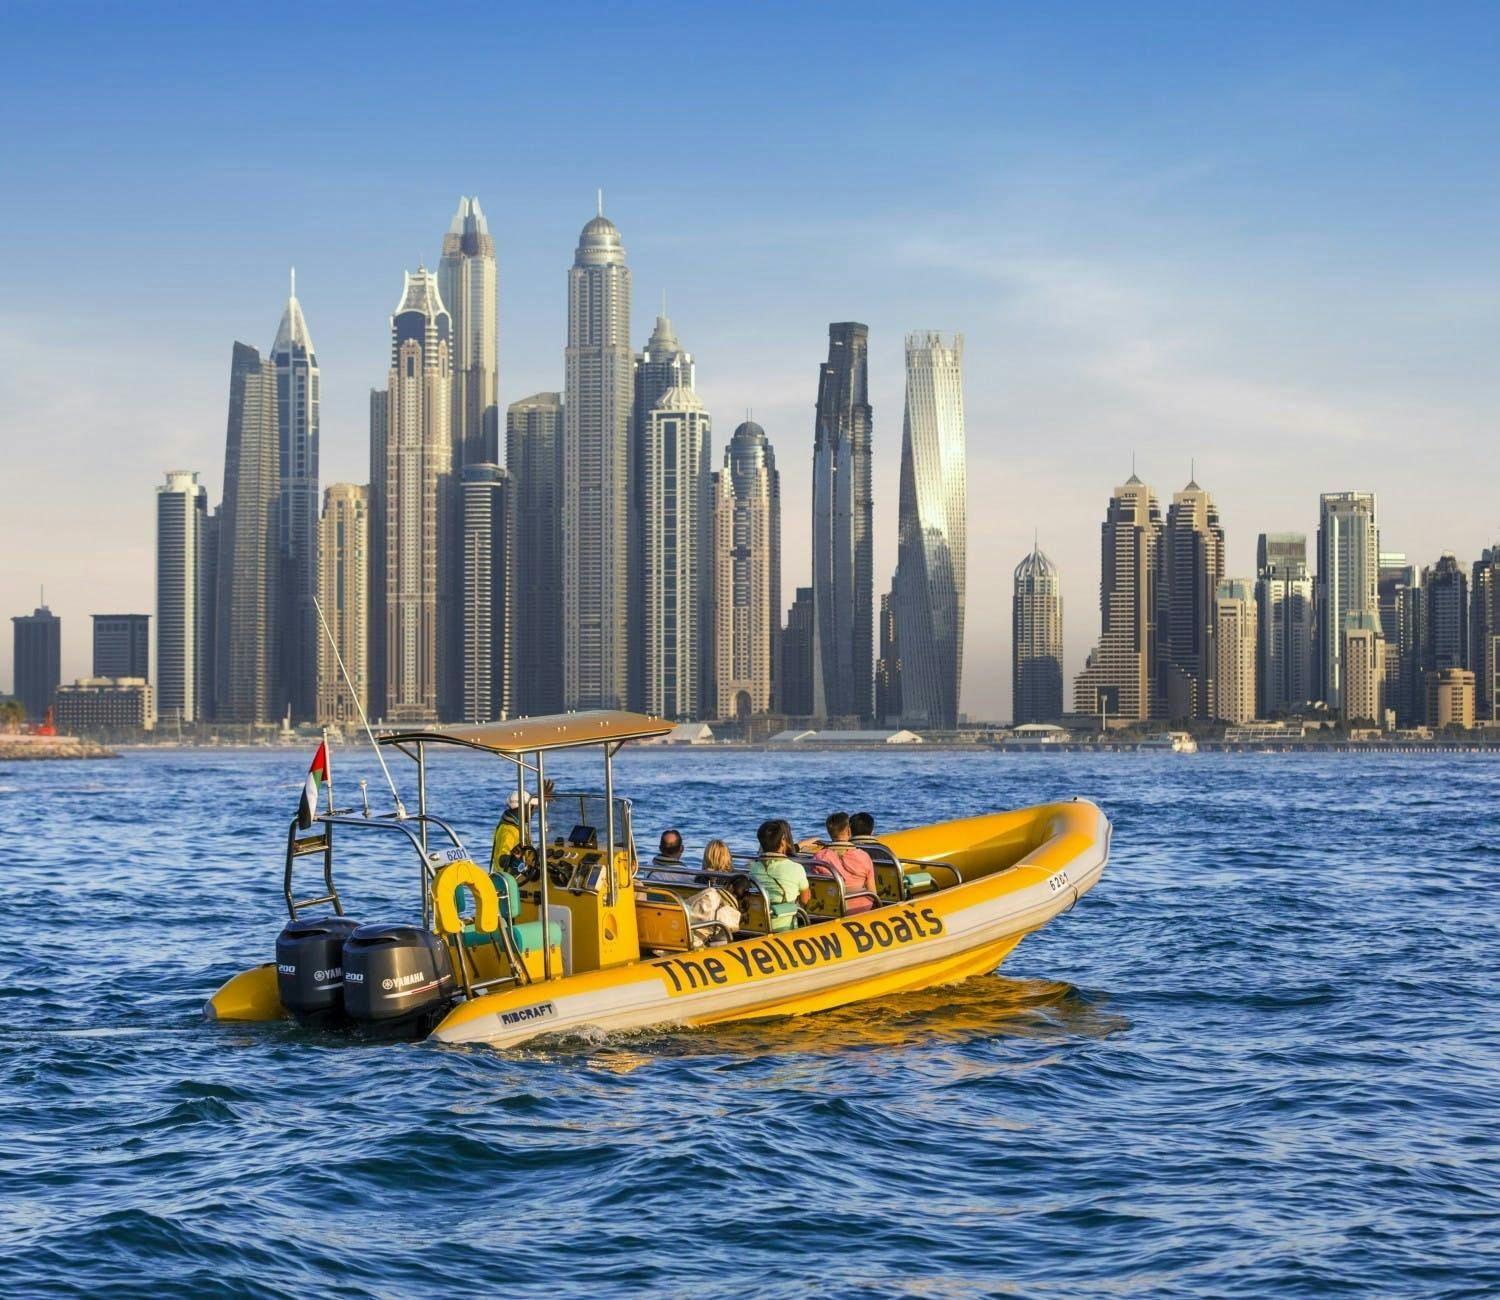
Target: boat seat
x=919, y=882
x=662, y=920
x=527, y=934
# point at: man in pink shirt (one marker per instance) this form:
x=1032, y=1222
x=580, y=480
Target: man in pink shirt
x=850, y=863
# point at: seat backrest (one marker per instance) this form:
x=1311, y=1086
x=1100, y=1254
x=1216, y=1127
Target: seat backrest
x=756, y=912
x=827, y=889
x=889, y=880
x=509, y=890
x=661, y=920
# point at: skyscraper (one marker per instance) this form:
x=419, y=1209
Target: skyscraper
x=746, y=559
x=467, y=281
x=795, y=683
x=843, y=560
x=486, y=593
x=929, y=590
x=1399, y=591
x=380, y=411
x=1233, y=648
x=37, y=661
x=595, y=495
x=420, y=515
x=1119, y=678
x=660, y=367
x=122, y=645
x=1484, y=633
x=252, y=551
x=1445, y=588
x=344, y=594
x=1192, y=564
x=298, y=399
x=675, y=547
x=1036, y=641
x=1347, y=581
x=887, y=665
x=1284, y=621
x=533, y=452
x=184, y=604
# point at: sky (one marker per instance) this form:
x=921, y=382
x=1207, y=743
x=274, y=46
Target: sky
x=1263, y=242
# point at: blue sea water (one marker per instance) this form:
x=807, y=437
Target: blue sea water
x=1261, y=1058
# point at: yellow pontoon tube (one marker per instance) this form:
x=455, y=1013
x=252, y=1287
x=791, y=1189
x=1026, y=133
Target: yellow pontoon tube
x=987, y=882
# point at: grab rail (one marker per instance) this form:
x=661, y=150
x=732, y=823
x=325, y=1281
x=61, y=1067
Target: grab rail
x=413, y=827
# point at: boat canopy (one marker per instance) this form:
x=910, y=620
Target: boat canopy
x=529, y=735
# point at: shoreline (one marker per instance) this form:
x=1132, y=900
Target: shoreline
x=62, y=748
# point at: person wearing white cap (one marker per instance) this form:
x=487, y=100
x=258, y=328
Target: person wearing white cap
x=508, y=828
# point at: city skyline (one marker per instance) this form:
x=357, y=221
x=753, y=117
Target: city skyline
x=1338, y=338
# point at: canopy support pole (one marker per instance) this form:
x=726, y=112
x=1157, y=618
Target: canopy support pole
x=541, y=798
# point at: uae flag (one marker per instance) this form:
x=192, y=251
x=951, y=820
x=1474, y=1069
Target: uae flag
x=317, y=778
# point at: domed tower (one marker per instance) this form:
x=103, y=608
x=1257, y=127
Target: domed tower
x=595, y=472
x=1037, y=641
x=747, y=574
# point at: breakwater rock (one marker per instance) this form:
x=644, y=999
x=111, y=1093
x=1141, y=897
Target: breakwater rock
x=45, y=747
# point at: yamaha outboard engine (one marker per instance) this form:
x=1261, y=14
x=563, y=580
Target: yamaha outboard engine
x=309, y=967
x=396, y=973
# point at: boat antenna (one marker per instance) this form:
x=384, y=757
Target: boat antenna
x=354, y=695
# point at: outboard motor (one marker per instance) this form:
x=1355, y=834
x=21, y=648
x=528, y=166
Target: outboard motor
x=309, y=967
x=395, y=973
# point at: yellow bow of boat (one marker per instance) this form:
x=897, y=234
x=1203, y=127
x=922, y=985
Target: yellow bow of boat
x=576, y=936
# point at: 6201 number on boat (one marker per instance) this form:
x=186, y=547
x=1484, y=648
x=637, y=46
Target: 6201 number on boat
x=1059, y=881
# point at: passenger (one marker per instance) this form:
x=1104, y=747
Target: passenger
x=850, y=862
x=861, y=826
x=669, y=849
x=715, y=912
x=783, y=880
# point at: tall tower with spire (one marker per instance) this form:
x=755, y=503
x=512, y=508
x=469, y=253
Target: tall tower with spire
x=297, y=400
x=843, y=559
x=659, y=368
x=419, y=503
x=468, y=282
x=596, y=472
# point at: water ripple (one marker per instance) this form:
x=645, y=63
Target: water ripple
x=1259, y=1060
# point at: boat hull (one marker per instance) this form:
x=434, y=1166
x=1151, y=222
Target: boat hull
x=953, y=934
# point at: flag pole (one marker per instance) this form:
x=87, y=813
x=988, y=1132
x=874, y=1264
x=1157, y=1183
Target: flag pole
x=354, y=695
x=327, y=761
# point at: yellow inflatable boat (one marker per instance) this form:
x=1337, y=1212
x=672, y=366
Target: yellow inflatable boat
x=574, y=933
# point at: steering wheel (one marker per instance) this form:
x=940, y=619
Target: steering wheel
x=522, y=864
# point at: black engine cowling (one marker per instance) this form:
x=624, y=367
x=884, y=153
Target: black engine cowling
x=395, y=972
x=309, y=967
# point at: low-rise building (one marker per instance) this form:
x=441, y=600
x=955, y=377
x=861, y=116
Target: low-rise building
x=1450, y=698
x=96, y=704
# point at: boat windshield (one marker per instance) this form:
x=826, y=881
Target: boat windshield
x=587, y=813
